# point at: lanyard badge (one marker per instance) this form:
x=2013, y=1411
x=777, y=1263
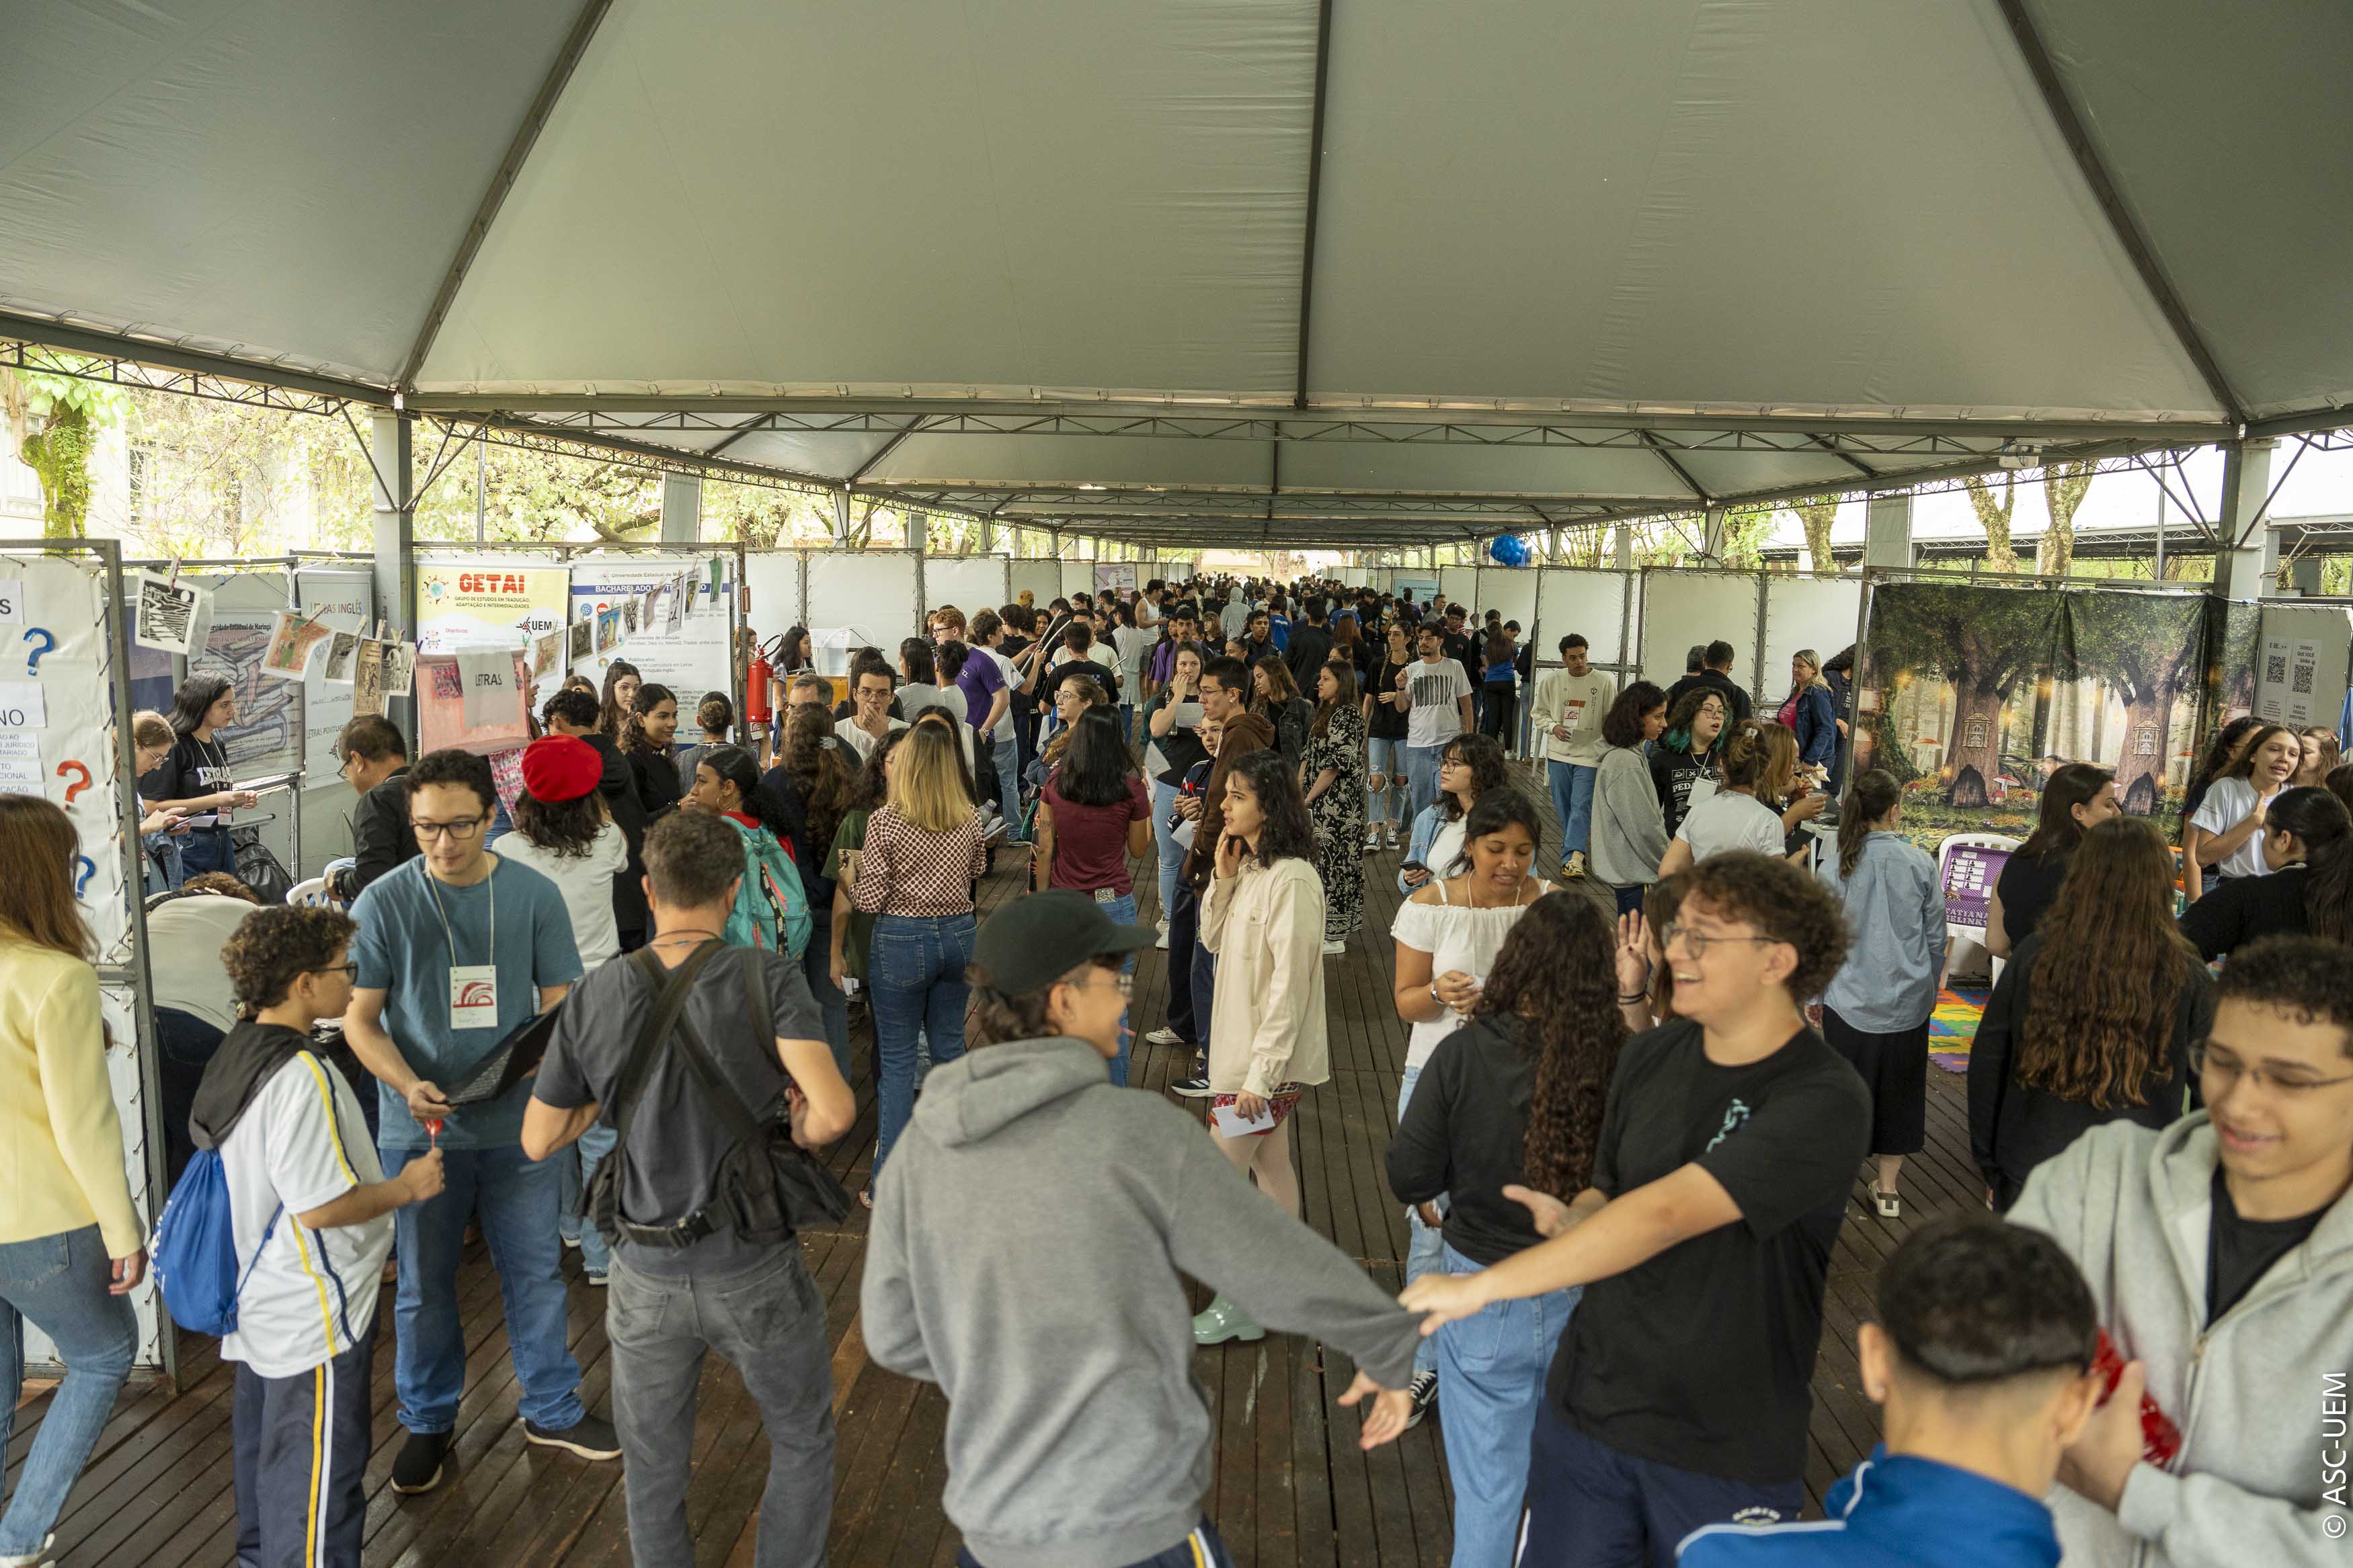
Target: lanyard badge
x=473, y=987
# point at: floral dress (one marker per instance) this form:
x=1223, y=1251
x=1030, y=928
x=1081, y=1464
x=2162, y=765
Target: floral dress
x=1339, y=816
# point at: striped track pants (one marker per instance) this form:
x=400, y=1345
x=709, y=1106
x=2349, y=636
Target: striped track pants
x=301, y=1453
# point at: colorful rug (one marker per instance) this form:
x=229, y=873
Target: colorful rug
x=1955, y=1024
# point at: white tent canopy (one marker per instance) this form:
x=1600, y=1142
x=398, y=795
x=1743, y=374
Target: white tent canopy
x=1217, y=270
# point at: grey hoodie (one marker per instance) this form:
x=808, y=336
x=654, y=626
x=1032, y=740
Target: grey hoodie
x=1028, y=1238
x=2261, y=1482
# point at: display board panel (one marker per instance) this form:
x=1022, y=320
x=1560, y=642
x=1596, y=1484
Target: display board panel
x=696, y=657
x=266, y=737
x=971, y=583
x=1513, y=590
x=1078, y=578
x=1461, y=586
x=2300, y=664
x=1818, y=613
x=773, y=577
x=1682, y=607
x=1042, y=578
x=1589, y=603
x=870, y=594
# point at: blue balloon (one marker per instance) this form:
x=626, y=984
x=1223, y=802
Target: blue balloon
x=1508, y=550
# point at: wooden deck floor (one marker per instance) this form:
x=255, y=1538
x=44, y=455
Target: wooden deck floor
x=1290, y=1487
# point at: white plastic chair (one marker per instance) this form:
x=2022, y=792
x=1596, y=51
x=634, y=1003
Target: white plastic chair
x=1958, y=932
x=312, y=894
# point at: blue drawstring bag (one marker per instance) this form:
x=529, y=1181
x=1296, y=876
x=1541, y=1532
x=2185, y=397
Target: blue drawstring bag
x=194, y=1250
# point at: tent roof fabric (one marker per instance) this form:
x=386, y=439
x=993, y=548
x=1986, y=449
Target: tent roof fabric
x=1217, y=270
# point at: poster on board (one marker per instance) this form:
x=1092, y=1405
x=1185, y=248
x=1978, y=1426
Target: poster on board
x=342, y=599
x=442, y=719
x=266, y=737
x=1114, y=576
x=491, y=604
x=691, y=659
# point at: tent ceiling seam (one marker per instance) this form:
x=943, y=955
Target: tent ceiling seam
x=1315, y=195
x=470, y=244
x=2105, y=191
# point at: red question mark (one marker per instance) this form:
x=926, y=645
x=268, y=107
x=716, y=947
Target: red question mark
x=74, y=789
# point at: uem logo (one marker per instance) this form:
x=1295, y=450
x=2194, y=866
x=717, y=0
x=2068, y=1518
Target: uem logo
x=478, y=994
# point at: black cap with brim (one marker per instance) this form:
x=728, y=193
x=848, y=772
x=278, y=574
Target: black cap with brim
x=1035, y=941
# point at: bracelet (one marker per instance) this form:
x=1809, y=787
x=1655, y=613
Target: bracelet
x=1630, y=1001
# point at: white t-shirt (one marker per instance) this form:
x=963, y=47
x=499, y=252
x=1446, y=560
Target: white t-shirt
x=185, y=938
x=848, y=733
x=1728, y=821
x=1436, y=690
x=2226, y=805
x=916, y=696
x=1134, y=644
x=1456, y=937
x=312, y=1294
x=586, y=883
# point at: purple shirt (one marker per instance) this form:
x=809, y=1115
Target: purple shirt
x=980, y=680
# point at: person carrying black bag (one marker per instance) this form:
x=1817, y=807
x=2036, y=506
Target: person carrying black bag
x=711, y=1064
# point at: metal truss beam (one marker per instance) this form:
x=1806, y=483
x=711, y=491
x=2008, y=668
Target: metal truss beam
x=42, y=359
x=145, y=354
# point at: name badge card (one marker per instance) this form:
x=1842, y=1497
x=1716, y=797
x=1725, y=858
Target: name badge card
x=474, y=996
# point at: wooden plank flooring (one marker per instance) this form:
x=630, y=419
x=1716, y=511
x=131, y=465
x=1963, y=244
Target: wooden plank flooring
x=1290, y=1485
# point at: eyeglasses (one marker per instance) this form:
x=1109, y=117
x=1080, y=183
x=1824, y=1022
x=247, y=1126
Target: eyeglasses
x=1671, y=933
x=1121, y=978
x=2205, y=1056
x=349, y=971
x=471, y=828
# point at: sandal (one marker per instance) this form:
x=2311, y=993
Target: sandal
x=1890, y=1206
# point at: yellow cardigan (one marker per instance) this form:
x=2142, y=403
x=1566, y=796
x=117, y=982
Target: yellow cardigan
x=1267, y=1026
x=62, y=1165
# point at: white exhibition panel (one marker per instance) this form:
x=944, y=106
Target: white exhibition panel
x=1682, y=607
x=1575, y=599
x=871, y=593
x=971, y=583
x=1078, y=578
x=2300, y=664
x=773, y=577
x=1459, y=585
x=1818, y=613
x=1043, y=579
x=699, y=656
x=1512, y=590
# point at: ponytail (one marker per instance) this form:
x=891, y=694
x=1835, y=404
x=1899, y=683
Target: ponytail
x=2317, y=820
x=1876, y=794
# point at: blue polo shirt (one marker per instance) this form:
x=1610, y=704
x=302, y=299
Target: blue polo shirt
x=1893, y=1511
x=403, y=950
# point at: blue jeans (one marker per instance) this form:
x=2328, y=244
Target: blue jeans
x=915, y=968
x=1172, y=853
x=1425, y=1247
x=1572, y=802
x=1005, y=756
x=817, y=968
x=1421, y=776
x=1122, y=910
x=1493, y=1366
x=576, y=1166
x=206, y=849
x=518, y=1200
x=59, y=1282
x=1587, y=1502
x=1384, y=761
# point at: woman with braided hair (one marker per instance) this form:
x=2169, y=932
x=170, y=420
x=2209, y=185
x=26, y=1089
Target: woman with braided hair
x=1507, y=1115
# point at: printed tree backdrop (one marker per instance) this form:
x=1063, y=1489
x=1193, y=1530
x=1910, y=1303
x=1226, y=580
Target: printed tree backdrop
x=1971, y=694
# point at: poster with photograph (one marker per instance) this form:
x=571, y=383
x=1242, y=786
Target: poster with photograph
x=342, y=650
x=367, y=679
x=167, y=615
x=580, y=642
x=608, y=630
x=399, y=668
x=291, y=640
x=692, y=657
x=629, y=617
x=243, y=609
x=544, y=650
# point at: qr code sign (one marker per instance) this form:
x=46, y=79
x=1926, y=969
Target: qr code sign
x=2302, y=685
x=2275, y=667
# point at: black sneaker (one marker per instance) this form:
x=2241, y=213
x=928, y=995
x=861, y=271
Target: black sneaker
x=1194, y=1088
x=419, y=1467
x=1424, y=1389
x=589, y=1437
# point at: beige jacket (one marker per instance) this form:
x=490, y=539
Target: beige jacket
x=1267, y=1028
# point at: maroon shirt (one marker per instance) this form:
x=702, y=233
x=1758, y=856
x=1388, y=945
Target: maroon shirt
x=1090, y=841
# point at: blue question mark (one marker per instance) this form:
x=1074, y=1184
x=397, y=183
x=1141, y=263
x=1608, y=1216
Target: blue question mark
x=89, y=869
x=48, y=641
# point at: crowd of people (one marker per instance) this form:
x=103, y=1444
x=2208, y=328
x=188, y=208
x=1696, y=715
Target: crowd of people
x=1653, y=1034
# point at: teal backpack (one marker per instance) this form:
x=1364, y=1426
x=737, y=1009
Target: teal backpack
x=772, y=908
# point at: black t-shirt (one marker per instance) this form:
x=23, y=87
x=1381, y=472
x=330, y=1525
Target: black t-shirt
x=2245, y=907
x=1389, y=720
x=2026, y=887
x=1465, y=1134
x=1715, y=680
x=189, y=769
x=1051, y=687
x=677, y=1140
x=1672, y=775
x=1457, y=646
x=2240, y=1252
x=1181, y=747
x=1701, y=1357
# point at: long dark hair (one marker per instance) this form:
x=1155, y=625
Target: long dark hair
x=2057, y=831
x=1622, y=725
x=193, y=700
x=609, y=707
x=1243, y=733
x=1344, y=693
x=1097, y=767
x=826, y=782
x=2109, y=974
x=1876, y=794
x=2220, y=751
x=564, y=828
x=734, y=764
x=649, y=697
x=1483, y=755
x=2318, y=820
x=790, y=658
x=1287, y=833
x=1495, y=810
x=1280, y=686
x=2242, y=764
x=1557, y=977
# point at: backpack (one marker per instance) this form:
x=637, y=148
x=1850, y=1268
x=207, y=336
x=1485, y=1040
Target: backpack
x=772, y=908
x=194, y=1250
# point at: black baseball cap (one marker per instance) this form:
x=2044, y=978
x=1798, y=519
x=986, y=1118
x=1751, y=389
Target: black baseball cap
x=1035, y=941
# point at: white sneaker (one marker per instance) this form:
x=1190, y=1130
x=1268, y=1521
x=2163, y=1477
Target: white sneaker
x=36, y=1559
x=1372, y=839
x=1161, y=942
x=1333, y=949
x=1164, y=1036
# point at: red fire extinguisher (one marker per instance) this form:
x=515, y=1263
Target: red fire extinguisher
x=757, y=678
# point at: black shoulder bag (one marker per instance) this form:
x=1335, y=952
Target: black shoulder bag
x=767, y=1186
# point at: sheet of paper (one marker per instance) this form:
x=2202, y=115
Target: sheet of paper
x=22, y=706
x=22, y=777
x=12, y=601
x=342, y=652
x=167, y=614
x=399, y=668
x=367, y=679
x=487, y=679
x=1231, y=1123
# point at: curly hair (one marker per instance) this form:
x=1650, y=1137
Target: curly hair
x=1678, y=735
x=2305, y=977
x=650, y=695
x=716, y=713
x=2109, y=974
x=1660, y=905
x=999, y=1016
x=1285, y=830
x=1783, y=904
x=274, y=947
x=825, y=780
x=1622, y=725
x=1483, y=755
x=1557, y=977
x=221, y=883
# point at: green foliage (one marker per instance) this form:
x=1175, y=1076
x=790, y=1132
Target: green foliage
x=53, y=423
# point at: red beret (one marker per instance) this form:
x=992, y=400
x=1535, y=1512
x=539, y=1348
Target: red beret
x=561, y=767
